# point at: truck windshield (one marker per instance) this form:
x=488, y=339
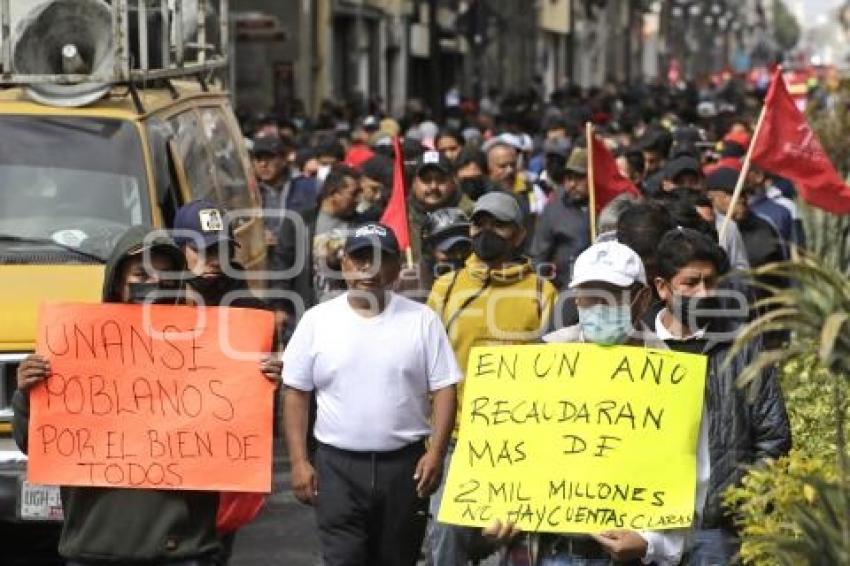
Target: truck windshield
x=69, y=183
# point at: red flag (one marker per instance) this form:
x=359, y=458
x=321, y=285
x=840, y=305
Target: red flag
x=787, y=146
x=395, y=216
x=608, y=182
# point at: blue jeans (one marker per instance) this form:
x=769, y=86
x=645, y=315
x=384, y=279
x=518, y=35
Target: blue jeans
x=519, y=556
x=712, y=547
x=448, y=545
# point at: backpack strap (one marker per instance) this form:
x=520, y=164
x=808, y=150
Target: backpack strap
x=466, y=303
x=448, y=294
x=538, y=282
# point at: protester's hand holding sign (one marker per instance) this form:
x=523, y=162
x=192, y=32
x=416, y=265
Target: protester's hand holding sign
x=271, y=369
x=622, y=545
x=501, y=533
x=32, y=371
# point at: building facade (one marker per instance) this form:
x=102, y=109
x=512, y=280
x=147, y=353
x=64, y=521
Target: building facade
x=302, y=52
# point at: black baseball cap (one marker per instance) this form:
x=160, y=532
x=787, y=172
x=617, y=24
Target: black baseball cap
x=267, y=145
x=682, y=164
x=435, y=160
x=372, y=235
x=722, y=179
x=203, y=218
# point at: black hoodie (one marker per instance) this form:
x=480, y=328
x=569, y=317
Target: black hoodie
x=130, y=526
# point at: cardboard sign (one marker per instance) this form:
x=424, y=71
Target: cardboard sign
x=163, y=397
x=577, y=438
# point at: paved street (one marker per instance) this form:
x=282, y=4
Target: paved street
x=285, y=532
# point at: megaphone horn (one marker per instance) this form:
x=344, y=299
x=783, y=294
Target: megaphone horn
x=66, y=37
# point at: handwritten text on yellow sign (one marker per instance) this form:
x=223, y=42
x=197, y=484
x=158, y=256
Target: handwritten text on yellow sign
x=577, y=438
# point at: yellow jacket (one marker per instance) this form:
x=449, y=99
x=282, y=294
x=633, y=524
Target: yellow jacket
x=484, y=307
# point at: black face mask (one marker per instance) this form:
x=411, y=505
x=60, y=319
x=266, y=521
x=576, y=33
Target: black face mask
x=489, y=246
x=556, y=170
x=575, y=200
x=473, y=187
x=211, y=289
x=151, y=294
x=695, y=312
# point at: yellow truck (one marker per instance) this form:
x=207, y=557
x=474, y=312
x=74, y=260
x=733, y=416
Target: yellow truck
x=109, y=118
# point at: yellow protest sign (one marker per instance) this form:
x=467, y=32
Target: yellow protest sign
x=577, y=438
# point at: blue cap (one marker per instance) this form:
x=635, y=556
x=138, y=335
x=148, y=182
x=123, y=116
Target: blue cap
x=203, y=218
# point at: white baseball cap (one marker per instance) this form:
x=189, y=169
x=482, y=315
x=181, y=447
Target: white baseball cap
x=608, y=262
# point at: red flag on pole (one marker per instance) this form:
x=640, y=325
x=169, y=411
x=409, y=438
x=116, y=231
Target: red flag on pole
x=395, y=216
x=608, y=181
x=787, y=146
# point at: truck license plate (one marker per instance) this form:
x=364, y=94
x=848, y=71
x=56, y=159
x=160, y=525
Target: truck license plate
x=40, y=502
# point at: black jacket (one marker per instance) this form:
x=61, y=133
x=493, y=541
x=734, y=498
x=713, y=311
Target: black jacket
x=293, y=257
x=561, y=234
x=130, y=526
x=742, y=432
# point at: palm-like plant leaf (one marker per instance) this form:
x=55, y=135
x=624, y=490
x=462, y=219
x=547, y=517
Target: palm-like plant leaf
x=829, y=335
x=813, y=310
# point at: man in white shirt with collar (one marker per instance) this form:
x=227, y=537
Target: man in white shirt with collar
x=384, y=376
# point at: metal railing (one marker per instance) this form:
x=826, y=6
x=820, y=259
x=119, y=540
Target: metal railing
x=175, y=63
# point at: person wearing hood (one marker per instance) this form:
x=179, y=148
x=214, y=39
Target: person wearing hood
x=563, y=231
x=495, y=299
x=434, y=187
x=122, y=525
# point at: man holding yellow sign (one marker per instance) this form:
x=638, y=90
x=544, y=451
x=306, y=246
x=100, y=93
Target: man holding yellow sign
x=594, y=438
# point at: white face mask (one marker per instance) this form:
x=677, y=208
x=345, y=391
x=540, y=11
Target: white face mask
x=322, y=172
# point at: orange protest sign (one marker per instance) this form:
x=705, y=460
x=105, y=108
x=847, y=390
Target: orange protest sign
x=163, y=397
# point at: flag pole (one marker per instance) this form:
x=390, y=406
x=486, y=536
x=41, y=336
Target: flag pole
x=745, y=168
x=409, y=256
x=591, y=184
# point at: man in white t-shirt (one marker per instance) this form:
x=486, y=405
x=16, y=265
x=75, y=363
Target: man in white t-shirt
x=384, y=376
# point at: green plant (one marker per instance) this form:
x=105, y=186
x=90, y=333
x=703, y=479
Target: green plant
x=767, y=502
x=788, y=508
x=795, y=510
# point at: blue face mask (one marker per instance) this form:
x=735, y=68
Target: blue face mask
x=605, y=324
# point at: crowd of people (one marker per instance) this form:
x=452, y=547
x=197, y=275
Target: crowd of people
x=375, y=337
x=502, y=252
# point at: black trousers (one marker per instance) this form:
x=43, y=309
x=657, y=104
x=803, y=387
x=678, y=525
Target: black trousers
x=367, y=509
